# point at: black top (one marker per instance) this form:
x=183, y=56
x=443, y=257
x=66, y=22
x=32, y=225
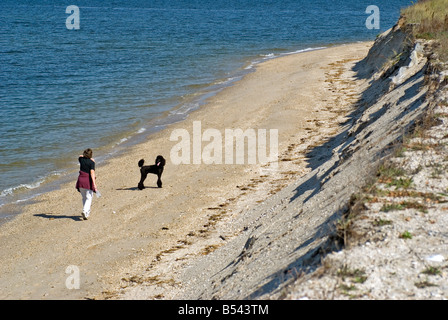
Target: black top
x=86, y=164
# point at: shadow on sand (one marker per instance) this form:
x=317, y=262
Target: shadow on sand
x=52, y=216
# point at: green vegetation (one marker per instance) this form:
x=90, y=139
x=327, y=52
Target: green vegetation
x=424, y=284
x=433, y=271
x=392, y=207
x=391, y=176
x=389, y=171
x=400, y=183
x=354, y=275
x=406, y=235
x=430, y=21
x=404, y=205
x=357, y=275
x=381, y=222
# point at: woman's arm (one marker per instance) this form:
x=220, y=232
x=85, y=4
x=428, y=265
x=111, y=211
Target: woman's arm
x=92, y=174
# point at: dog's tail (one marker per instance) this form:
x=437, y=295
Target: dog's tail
x=141, y=162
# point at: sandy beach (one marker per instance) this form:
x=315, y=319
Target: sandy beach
x=305, y=96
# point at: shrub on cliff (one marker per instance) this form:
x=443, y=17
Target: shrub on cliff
x=429, y=19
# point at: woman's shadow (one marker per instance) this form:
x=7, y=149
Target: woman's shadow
x=52, y=216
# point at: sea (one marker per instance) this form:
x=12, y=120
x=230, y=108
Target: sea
x=104, y=75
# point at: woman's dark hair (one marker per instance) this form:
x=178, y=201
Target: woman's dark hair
x=88, y=153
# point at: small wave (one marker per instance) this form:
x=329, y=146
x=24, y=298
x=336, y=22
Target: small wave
x=185, y=108
x=304, y=50
x=263, y=57
x=251, y=65
x=224, y=81
x=10, y=195
x=125, y=139
x=27, y=186
x=267, y=56
x=122, y=140
x=21, y=187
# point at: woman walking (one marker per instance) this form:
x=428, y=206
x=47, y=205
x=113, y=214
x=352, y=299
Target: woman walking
x=86, y=183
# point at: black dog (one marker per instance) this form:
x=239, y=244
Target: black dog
x=155, y=169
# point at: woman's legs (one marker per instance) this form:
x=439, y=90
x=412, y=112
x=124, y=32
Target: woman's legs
x=87, y=196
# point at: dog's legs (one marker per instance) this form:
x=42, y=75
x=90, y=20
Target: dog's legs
x=141, y=186
x=159, y=181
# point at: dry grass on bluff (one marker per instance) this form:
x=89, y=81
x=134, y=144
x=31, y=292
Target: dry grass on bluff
x=430, y=21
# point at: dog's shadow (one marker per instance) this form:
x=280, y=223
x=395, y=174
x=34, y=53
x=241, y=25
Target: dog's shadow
x=52, y=216
x=135, y=188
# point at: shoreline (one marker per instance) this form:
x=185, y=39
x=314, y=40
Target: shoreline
x=131, y=228
x=15, y=201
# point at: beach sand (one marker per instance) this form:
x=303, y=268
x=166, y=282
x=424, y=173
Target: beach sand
x=305, y=96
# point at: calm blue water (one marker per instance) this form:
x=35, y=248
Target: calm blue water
x=134, y=65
